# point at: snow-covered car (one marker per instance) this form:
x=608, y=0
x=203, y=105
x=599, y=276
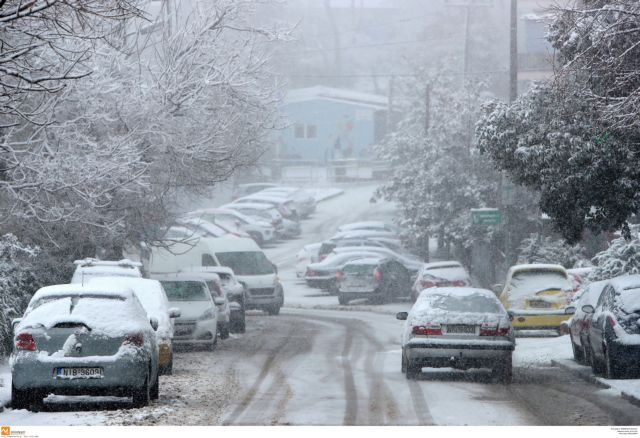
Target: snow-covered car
x=285, y=206
x=459, y=328
x=537, y=295
x=304, y=202
x=363, y=234
x=233, y=290
x=258, y=229
x=330, y=245
x=154, y=301
x=614, y=329
x=580, y=321
x=307, y=255
x=322, y=275
x=440, y=274
x=291, y=228
x=409, y=261
x=248, y=189
x=367, y=225
x=77, y=340
x=266, y=212
x=198, y=321
x=378, y=279
x=89, y=268
x=205, y=228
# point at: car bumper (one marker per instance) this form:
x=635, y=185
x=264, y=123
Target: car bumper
x=457, y=355
x=189, y=332
x=118, y=377
x=320, y=283
x=543, y=321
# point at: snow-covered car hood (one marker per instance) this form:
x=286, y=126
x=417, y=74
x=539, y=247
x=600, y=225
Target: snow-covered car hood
x=190, y=310
x=258, y=281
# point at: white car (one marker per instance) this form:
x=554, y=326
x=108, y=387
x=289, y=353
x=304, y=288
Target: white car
x=460, y=328
x=154, y=300
x=259, y=229
x=367, y=225
x=89, y=268
x=198, y=322
x=440, y=274
x=305, y=203
x=266, y=212
x=308, y=254
x=285, y=206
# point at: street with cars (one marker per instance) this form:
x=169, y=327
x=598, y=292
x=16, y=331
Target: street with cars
x=337, y=324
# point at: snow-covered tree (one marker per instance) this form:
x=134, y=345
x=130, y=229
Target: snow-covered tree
x=575, y=138
x=621, y=258
x=17, y=284
x=545, y=249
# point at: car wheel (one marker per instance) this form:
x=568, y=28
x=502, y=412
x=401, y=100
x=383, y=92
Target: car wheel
x=403, y=366
x=273, y=310
x=141, y=396
x=155, y=390
x=613, y=370
x=504, y=371
x=224, y=332
x=214, y=342
x=343, y=300
x=413, y=371
x=26, y=399
x=238, y=324
x=596, y=367
x=578, y=353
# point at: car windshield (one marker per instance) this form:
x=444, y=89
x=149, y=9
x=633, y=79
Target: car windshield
x=185, y=291
x=450, y=272
x=246, y=262
x=474, y=303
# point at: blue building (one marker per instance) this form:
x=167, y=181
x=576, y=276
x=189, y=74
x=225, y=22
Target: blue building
x=329, y=123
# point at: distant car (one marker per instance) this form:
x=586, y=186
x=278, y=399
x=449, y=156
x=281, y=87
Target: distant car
x=198, y=322
x=90, y=268
x=459, y=328
x=155, y=303
x=579, y=277
x=579, y=322
x=367, y=225
x=614, y=332
x=537, y=295
x=322, y=275
x=235, y=292
x=364, y=234
x=304, y=202
x=285, y=206
x=440, y=274
x=409, y=261
x=257, y=228
x=377, y=279
x=330, y=245
x=79, y=340
x=307, y=255
x=247, y=189
x=266, y=212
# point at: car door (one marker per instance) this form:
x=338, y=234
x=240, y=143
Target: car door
x=596, y=330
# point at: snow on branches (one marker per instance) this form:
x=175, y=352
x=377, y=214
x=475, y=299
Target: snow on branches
x=621, y=258
x=545, y=249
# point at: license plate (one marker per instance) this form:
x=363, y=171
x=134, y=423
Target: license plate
x=461, y=329
x=79, y=373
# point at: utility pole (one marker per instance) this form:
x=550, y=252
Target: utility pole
x=513, y=53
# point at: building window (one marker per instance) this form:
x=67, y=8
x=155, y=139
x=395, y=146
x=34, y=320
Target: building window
x=299, y=130
x=312, y=131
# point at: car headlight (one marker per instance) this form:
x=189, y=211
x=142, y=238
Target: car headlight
x=208, y=314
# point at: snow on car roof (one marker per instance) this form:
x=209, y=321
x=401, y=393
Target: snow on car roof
x=536, y=266
x=468, y=306
x=626, y=282
x=76, y=289
x=459, y=291
x=449, y=264
x=125, y=263
x=250, y=205
x=366, y=261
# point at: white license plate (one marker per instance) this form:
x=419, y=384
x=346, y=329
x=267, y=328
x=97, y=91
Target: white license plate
x=461, y=329
x=79, y=373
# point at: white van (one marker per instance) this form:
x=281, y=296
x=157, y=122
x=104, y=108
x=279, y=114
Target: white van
x=242, y=255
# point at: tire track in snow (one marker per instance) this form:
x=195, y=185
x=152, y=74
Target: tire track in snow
x=350, y=391
x=420, y=404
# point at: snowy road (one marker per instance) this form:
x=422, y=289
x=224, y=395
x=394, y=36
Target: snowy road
x=319, y=363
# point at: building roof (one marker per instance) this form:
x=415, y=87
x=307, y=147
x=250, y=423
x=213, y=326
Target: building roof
x=320, y=92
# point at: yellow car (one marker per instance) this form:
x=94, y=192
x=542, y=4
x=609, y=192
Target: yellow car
x=536, y=296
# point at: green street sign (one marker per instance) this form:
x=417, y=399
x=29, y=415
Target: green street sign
x=486, y=216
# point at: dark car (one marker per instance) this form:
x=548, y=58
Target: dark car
x=579, y=323
x=614, y=333
x=378, y=279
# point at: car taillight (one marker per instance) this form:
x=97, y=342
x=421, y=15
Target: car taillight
x=377, y=276
x=459, y=283
x=493, y=331
x=25, y=341
x=611, y=321
x=338, y=276
x=427, y=330
x=136, y=339
x=427, y=284
x=311, y=273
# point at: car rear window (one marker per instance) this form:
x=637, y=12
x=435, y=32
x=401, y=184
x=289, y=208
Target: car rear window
x=246, y=262
x=358, y=268
x=475, y=303
x=185, y=291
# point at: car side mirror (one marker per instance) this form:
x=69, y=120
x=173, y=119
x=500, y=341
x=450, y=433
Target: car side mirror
x=570, y=310
x=402, y=316
x=218, y=301
x=15, y=322
x=497, y=289
x=588, y=308
x=511, y=315
x=154, y=323
x=174, y=312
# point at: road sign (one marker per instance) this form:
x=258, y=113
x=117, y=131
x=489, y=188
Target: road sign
x=486, y=216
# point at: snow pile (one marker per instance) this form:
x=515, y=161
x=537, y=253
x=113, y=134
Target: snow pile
x=621, y=258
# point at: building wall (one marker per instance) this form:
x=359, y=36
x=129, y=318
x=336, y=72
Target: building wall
x=323, y=130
